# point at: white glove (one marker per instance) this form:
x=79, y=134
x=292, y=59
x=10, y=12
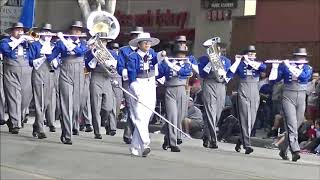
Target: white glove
x=14, y=44
x=195, y=68
x=274, y=72
x=46, y=48
x=93, y=63
x=222, y=72
x=287, y=63
x=161, y=56
x=69, y=45
x=55, y=63
x=235, y=65
x=171, y=65
x=125, y=75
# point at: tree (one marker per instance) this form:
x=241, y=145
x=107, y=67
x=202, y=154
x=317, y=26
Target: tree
x=87, y=6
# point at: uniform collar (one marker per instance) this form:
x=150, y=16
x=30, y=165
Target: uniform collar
x=141, y=53
x=133, y=48
x=77, y=41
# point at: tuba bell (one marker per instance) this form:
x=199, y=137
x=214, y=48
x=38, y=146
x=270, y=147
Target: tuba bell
x=216, y=64
x=98, y=23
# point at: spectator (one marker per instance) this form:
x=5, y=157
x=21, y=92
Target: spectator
x=312, y=111
x=313, y=133
x=193, y=123
x=277, y=128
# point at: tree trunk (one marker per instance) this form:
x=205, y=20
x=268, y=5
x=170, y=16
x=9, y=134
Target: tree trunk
x=110, y=6
x=85, y=8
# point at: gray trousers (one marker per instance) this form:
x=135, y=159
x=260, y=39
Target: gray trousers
x=118, y=94
x=56, y=95
x=248, y=103
x=2, y=99
x=129, y=127
x=71, y=82
x=86, y=114
x=43, y=83
x=175, y=101
x=17, y=88
x=102, y=101
x=294, y=105
x=214, y=95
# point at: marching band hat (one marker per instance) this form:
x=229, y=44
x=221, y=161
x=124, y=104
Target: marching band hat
x=77, y=24
x=114, y=45
x=211, y=40
x=144, y=37
x=300, y=52
x=251, y=48
x=16, y=25
x=181, y=38
x=180, y=48
x=137, y=30
x=46, y=27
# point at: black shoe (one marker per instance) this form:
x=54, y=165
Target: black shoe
x=15, y=130
x=88, y=128
x=249, y=150
x=67, y=141
x=2, y=122
x=98, y=136
x=113, y=132
x=238, y=146
x=179, y=141
x=283, y=155
x=34, y=131
x=175, y=149
x=205, y=142
x=127, y=140
x=52, y=129
x=213, y=145
x=145, y=152
x=10, y=125
x=42, y=136
x=81, y=128
x=165, y=144
x=75, y=132
x=295, y=156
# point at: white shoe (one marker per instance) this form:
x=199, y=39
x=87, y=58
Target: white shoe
x=134, y=151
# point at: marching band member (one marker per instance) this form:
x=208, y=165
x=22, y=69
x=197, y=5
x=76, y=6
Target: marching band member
x=101, y=94
x=176, y=73
x=248, y=93
x=123, y=71
x=2, y=99
x=16, y=75
x=182, y=40
x=43, y=79
x=141, y=73
x=71, y=79
x=214, y=92
x=296, y=77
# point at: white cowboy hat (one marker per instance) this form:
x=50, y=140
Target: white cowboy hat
x=211, y=40
x=144, y=37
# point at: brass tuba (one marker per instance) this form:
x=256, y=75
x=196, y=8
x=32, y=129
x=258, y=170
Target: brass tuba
x=102, y=22
x=217, y=65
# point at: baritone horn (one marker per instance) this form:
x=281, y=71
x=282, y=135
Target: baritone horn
x=99, y=23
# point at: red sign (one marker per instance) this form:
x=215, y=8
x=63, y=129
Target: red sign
x=219, y=15
x=151, y=19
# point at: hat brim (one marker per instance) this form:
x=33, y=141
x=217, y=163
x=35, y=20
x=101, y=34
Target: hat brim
x=136, y=32
x=10, y=29
x=300, y=54
x=134, y=42
x=80, y=27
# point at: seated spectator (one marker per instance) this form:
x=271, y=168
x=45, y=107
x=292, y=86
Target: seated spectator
x=313, y=133
x=193, y=123
x=312, y=110
x=228, y=125
x=275, y=145
x=277, y=128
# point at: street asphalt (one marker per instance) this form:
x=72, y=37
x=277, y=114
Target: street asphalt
x=26, y=157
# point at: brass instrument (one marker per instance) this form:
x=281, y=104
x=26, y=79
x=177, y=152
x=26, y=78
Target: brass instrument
x=217, y=65
x=102, y=22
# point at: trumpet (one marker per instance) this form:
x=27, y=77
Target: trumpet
x=279, y=61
